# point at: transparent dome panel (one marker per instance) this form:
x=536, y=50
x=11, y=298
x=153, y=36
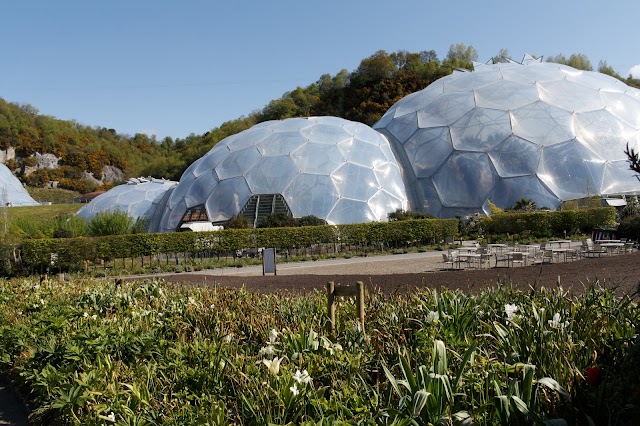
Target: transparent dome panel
x=571, y=171
x=249, y=138
x=531, y=73
x=569, y=96
x=282, y=143
x=325, y=133
x=623, y=106
x=465, y=180
x=355, y=182
x=389, y=175
x=172, y=217
x=181, y=190
x=446, y=109
x=508, y=191
x=619, y=179
x=428, y=199
x=311, y=195
x=383, y=203
x=596, y=81
x=543, y=124
x=364, y=133
x=515, y=157
x=211, y=160
x=201, y=188
x=271, y=175
x=363, y=153
x=419, y=100
x=428, y=149
x=604, y=133
x=350, y=211
x=236, y=163
x=318, y=158
x=506, y=95
x=480, y=129
x=293, y=124
x=473, y=80
x=403, y=127
x=227, y=199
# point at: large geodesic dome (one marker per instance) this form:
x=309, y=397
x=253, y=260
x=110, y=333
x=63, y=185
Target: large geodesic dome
x=335, y=169
x=542, y=131
x=12, y=193
x=139, y=197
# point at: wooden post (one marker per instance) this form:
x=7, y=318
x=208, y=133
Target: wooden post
x=334, y=291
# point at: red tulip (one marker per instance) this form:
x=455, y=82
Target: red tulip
x=593, y=375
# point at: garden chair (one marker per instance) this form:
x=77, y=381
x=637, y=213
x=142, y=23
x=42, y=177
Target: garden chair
x=516, y=259
x=501, y=258
x=447, y=259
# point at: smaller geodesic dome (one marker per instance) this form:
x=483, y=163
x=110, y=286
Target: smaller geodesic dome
x=139, y=197
x=335, y=169
x=12, y=193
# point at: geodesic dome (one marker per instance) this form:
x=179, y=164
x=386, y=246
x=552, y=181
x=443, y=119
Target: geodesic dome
x=503, y=132
x=337, y=170
x=12, y=193
x=139, y=197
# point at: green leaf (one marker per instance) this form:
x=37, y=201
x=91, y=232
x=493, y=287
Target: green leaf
x=419, y=401
x=552, y=384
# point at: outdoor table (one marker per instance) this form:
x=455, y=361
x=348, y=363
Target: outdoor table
x=611, y=247
x=475, y=257
x=560, y=243
x=607, y=241
x=512, y=253
x=559, y=251
x=498, y=247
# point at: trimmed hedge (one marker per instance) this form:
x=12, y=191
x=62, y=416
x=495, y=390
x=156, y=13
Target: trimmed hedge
x=73, y=251
x=547, y=224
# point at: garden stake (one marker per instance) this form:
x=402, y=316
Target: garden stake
x=334, y=291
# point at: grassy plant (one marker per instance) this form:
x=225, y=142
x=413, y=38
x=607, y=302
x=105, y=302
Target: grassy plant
x=92, y=352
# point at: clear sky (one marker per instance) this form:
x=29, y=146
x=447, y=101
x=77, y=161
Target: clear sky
x=172, y=68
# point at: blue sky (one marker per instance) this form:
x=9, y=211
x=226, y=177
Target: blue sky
x=172, y=68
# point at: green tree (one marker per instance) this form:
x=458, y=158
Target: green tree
x=461, y=56
x=576, y=60
x=116, y=222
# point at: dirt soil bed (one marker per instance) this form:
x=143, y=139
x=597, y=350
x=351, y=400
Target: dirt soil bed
x=621, y=272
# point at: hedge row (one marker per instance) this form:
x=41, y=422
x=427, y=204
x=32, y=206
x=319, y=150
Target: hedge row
x=547, y=224
x=73, y=251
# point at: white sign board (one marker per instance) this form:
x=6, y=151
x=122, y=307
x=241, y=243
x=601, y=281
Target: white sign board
x=269, y=261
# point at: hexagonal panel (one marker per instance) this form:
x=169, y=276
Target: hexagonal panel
x=465, y=179
x=605, y=134
x=569, y=96
x=480, y=129
x=357, y=151
x=281, y=143
x=316, y=158
x=325, y=133
x=515, y=157
x=237, y=162
x=350, y=211
x=428, y=149
x=271, y=175
x=623, y=106
x=506, y=95
x=382, y=203
x=227, y=199
x=542, y=123
x=571, y=170
x=613, y=184
x=355, y=182
x=445, y=110
x=508, y=191
x=311, y=193
x=474, y=80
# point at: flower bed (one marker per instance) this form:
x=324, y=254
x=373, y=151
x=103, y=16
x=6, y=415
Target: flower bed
x=92, y=352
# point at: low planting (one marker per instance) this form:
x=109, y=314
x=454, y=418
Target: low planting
x=92, y=352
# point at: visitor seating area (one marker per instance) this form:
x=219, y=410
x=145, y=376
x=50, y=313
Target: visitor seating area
x=483, y=256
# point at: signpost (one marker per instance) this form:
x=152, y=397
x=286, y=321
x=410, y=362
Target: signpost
x=269, y=261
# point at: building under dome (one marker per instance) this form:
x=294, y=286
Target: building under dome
x=542, y=131
x=12, y=193
x=337, y=170
x=139, y=197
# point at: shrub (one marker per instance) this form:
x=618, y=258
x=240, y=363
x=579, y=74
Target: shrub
x=630, y=228
x=110, y=223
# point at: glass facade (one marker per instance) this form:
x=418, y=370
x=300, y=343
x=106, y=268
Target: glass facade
x=139, y=197
x=337, y=170
x=12, y=193
x=503, y=132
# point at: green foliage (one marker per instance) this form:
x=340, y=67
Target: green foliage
x=523, y=205
x=238, y=222
x=53, y=195
x=110, y=223
x=576, y=60
x=400, y=214
x=630, y=228
x=91, y=352
x=277, y=220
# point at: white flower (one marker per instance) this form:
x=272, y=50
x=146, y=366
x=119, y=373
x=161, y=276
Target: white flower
x=227, y=339
x=94, y=316
x=112, y=417
x=191, y=301
x=302, y=378
x=433, y=317
x=510, y=310
x=267, y=350
x=357, y=327
x=273, y=335
x=393, y=317
x=212, y=307
x=294, y=390
x=556, y=322
x=273, y=365
x=86, y=315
